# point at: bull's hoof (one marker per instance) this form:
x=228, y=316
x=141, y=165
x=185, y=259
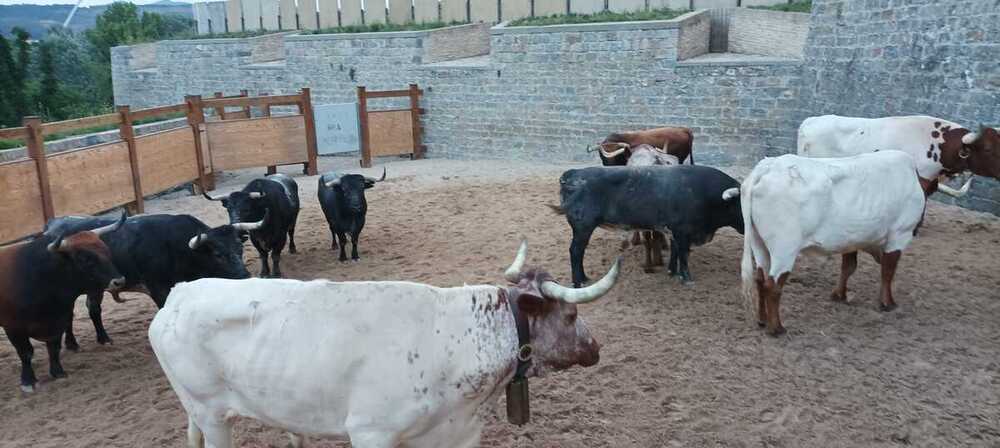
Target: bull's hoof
x=57, y=373
x=886, y=308
x=292, y=250
x=355, y=260
x=777, y=331
x=104, y=340
x=28, y=388
x=761, y=323
x=837, y=297
x=72, y=346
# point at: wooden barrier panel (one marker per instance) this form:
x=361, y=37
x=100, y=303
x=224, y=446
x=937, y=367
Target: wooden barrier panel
x=328, y=13
x=21, y=200
x=626, y=5
x=166, y=159
x=400, y=11
x=269, y=10
x=237, y=144
x=251, y=14
x=374, y=11
x=515, y=9
x=350, y=12
x=586, y=6
x=550, y=7
x=234, y=12
x=388, y=130
x=91, y=180
x=307, y=14
x=425, y=11
x=453, y=11
x=287, y=10
x=483, y=11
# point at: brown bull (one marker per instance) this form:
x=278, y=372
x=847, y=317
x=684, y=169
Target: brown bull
x=617, y=147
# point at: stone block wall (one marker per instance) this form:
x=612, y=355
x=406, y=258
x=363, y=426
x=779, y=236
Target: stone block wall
x=693, y=35
x=457, y=42
x=769, y=33
x=873, y=58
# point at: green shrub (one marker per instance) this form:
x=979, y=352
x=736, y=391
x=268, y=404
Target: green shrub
x=603, y=16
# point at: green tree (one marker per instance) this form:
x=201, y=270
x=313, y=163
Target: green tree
x=7, y=67
x=19, y=74
x=48, y=98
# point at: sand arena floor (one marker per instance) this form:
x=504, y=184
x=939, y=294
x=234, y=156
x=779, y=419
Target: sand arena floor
x=681, y=365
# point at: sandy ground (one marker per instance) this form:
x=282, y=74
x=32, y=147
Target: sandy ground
x=681, y=365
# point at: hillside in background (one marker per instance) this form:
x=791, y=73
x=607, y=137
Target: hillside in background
x=37, y=19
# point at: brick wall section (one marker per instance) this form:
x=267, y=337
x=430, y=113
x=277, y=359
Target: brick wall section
x=693, y=35
x=769, y=33
x=874, y=58
x=457, y=42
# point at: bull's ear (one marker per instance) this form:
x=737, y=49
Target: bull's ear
x=369, y=184
x=531, y=304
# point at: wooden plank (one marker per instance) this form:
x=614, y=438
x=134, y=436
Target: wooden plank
x=374, y=11
x=234, y=15
x=36, y=150
x=13, y=133
x=350, y=12
x=390, y=132
x=251, y=15
x=390, y=93
x=21, y=200
x=366, y=152
x=237, y=144
x=127, y=134
x=91, y=179
x=483, y=10
x=307, y=14
x=425, y=11
x=544, y=8
x=454, y=11
x=586, y=6
x=143, y=114
x=286, y=19
x=80, y=123
x=328, y=10
x=166, y=159
x=254, y=101
x=418, y=153
x=400, y=11
x=515, y=9
x=312, y=149
x=269, y=10
x=196, y=118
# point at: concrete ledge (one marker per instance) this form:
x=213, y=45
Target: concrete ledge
x=735, y=59
x=226, y=40
x=474, y=63
x=377, y=35
x=676, y=22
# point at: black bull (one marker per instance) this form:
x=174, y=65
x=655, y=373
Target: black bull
x=686, y=200
x=155, y=252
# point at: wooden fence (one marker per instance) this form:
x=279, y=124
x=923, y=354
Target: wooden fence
x=97, y=178
x=251, y=15
x=390, y=132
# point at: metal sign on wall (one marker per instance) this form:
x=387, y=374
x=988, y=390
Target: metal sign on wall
x=337, y=128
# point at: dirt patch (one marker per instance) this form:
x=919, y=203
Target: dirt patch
x=680, y=365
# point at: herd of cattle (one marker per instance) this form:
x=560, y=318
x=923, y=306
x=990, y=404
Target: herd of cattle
x=323, y=358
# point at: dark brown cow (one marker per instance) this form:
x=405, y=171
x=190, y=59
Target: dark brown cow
x=39, y=282
x=616, y=148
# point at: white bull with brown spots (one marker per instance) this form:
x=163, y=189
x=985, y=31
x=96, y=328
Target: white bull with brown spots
x=790, y=204
x=939, y=147
x=385, y=364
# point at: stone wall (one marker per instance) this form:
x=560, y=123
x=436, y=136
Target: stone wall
x=873, y=58
x=457, y=42
x=770, y=33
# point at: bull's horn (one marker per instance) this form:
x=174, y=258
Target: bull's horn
x=970, y=138
x=256, y=195
x=583, y=295
x=217, y=198
x=373, y=180
x=621, y=148
x=251, y=226
x=197, y=240
x=730, y=193
x=953, y=192
x=590, y=148
x=55, y=245
x=110, y=227
x=332, y=183
x=513, y=273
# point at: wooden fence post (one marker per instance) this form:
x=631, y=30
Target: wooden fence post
x=246, y=108
x=306, y=108
x=220, y=111
x=366, y=152
x=196, y=117
x=36, y=150
x=127, y=134
x=266, y=113
x=418, y=149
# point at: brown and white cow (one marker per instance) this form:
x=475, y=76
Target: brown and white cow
x=653, y=241
x=941, y=148
x=617, y=147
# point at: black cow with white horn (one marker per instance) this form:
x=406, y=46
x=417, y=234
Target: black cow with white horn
x=342, y=197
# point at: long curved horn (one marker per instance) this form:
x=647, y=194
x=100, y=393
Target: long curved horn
x=197, y=240
x=953, y=192
x=332, y=183
x=592, y=148
x=621, y=148
x=513, y=273
x=970, y=138
x=216, y=198
x=583, y=295
x=55, y=245
x=250, y=226
x=730, y=193
x=110, y=227
x=373, y=180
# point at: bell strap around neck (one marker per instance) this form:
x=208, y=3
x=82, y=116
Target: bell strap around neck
x=524, y=348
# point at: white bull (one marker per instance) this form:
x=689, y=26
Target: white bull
x=383, y=363
x=871, y=202
x=936, y=145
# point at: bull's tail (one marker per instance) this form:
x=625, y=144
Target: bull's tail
x=750, y=239
x=557, y=209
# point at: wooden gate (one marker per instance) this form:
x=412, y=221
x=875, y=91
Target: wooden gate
x=390, y=132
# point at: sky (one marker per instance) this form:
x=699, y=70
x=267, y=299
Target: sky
x=70, y=2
